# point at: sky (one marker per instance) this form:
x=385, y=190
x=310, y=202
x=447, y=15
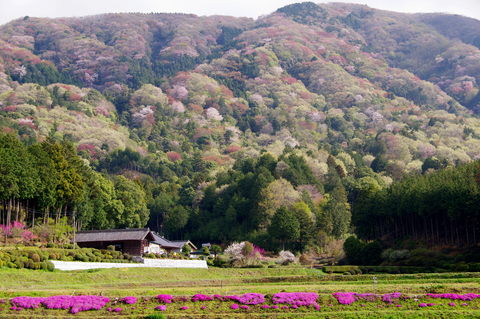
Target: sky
x=13, y=9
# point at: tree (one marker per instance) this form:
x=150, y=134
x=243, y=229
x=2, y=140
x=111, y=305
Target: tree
x=284, y=226
x=18, y=175
x=186, y=249
x=205, y=251
x=379, y=164
x=47, y=175
x=335, y=213
x=67, y=165
x=216, y=249
x=278, y=193
x=306, y=221
x=353, y=248
x=176, y=218
x=132, y=197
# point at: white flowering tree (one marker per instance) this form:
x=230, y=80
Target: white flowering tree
x=285, y=257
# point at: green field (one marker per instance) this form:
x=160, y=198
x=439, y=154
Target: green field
x=146, y=284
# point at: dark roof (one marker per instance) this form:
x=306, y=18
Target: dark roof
x=113, y=235
x=164, y=242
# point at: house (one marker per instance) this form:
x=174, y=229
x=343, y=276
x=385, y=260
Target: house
x=131, y=241
x=181, y=243
x=164, y=245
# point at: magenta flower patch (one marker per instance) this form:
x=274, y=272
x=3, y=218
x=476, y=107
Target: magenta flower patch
x=165, y=298
x=247, y=299
x=201, y=297
x=234, y=306
x=129, y=300
x=298, y=299
x=161, y=308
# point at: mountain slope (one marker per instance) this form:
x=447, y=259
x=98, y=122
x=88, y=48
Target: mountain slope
x=326, y=98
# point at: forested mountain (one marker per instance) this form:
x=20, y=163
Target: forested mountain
x=225, y=126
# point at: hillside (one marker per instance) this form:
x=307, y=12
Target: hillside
x=224, y=120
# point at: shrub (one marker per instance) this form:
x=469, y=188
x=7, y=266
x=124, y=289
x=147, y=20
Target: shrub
x=461, y=266
x=19, y=264
x=50, y=245
x=43, y=265
x=305, y=259
x=111, y=248
x=352, y=271
x=36, y=258
x=358, y=271
x=156, y=316
x=11, y=265
x=347, y=273
x=50, y=266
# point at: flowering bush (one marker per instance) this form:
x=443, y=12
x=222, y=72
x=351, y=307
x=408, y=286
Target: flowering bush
x=237, y=252
x=184, y=308
x=76, y=303
x=422, y=305
x=234, y=306
x=17, y=230
x=347, y=298
x=161, y=308
x=247, y=299
x=129, y=300
x=465, y=297
x=201, y=297
x=245, y=307
x=295, y=298
x=391, y=296
x=165, y=298
x=286, y=257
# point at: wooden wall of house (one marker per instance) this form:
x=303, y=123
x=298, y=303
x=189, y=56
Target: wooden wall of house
x=133, y=247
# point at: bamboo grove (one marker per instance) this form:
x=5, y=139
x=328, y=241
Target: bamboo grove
x=440, y=208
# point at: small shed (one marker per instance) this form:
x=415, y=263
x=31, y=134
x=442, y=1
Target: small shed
x=130, y=241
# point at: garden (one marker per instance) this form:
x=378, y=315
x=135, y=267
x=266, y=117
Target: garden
x=281, y=304
x=283, y=292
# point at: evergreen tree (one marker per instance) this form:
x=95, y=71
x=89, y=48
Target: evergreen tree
x=284, y=226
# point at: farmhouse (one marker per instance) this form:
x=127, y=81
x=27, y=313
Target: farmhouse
x=130, y=241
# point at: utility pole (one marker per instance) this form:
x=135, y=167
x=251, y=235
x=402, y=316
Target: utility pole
x=74, y=226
